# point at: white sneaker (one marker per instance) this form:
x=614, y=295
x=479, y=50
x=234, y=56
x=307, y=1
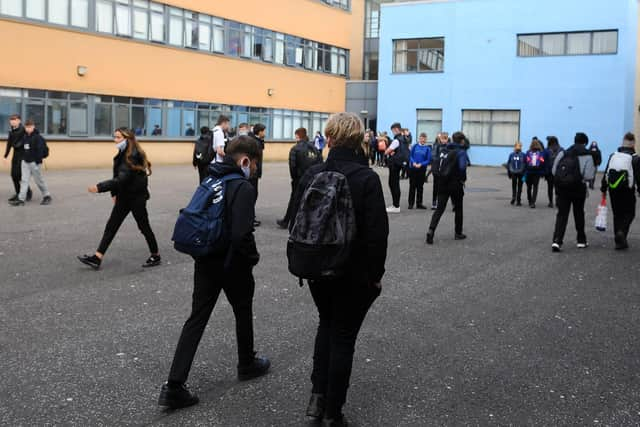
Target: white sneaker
x=582, y=245
x=556, y=247
x=393, y=209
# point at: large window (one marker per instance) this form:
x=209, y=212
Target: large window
x=562, y=44
x=418, y=55
x=342, y=4
x=491, y=127
x=430, y=122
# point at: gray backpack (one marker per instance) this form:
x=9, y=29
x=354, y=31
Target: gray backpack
x=322, y=233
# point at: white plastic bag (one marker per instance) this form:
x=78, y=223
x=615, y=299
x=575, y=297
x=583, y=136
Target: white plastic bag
x=601, y=215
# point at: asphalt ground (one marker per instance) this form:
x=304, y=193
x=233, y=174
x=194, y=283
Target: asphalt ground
x=493, y=330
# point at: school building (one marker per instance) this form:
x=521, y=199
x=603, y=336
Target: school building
x=505, y=70
x=81, y=68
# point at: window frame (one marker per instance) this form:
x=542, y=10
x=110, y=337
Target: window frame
x=417, y=51
x=492, y=123
x=566, y=43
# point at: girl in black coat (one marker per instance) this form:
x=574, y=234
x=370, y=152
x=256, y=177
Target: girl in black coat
x=128, y=187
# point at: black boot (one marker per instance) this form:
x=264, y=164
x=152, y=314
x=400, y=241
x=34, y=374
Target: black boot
x=316, y=406
x=176, y=396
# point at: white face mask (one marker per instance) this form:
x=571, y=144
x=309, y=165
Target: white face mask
x=122, y=145
x=246, y=170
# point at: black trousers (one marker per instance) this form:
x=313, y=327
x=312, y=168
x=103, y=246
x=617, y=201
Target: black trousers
x=623, y=205
x=254, y=181
x=209, y=279
x=533, y=182
x=436, y=189
x=203, y=172
x=416, y=185
x=516, y=187
x=16, y=173
x=550, y=188
x=290, y=208
x=456, y=195
x=342, y=307
x=138, y=207
x=567, y=200
x=394, y=183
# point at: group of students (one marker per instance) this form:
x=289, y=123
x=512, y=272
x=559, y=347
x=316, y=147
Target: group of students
x=29, y=151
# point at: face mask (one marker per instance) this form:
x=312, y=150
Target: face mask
x=122, y=145
x=246, y=170
x=243, y=133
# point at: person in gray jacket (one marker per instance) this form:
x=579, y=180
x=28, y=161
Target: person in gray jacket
x=572, y=169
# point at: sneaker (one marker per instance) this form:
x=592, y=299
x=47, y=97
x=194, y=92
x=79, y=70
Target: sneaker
x=532, y=205
x=152, y=261
x=393, y=209
x=513, y=202
x=29, y=195
x=434, y=207
x=621, y=241
x=421, y=207
x=556, y=247
x=257, y=368
x=92, y=261
x=430, y=237
x=316, y=406
x=13, y=199
x=46, y=200
x=460, y=236
x=17, y=203
x=282, y=224
x=582, y=245
x=176, y=397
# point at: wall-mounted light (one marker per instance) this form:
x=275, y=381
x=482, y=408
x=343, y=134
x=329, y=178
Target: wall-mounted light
x=82, y=70
x=270, y=92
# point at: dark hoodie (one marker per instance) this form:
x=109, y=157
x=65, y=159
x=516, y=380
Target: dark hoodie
x=240, y=210
x=34, y=147
x=126, y=182
x=14, y=140
x=260, y=143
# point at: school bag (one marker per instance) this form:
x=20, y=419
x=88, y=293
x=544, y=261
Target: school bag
x=517, y=163
x=204, y=153
x=620, y=171
x=568, y=174
x=445, y=165
x=324, y=228
x=200, y=228
x=309, y=156
x=535, y=160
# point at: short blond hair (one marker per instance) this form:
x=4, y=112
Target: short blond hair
x=345, y=129
x=517, y=145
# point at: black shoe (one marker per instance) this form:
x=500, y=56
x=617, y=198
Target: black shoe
x=550, y=205
x=29, y=195
x=176, y=397
x=316, y=406
x=621, y=241
x=513, y=202
x=256, y=223
x=556, y=247
x=282, y=224
x=518, y=203
x=92, y=261
x=17, y=203
x=335, y=422
x=257, y=368
x=460, y=236
x=410, y=207
x=421, y=207
x=46, y=200
x=430, y=237
x=434, y=207
x=152, y=261
x=532, y=205
x=13, y=199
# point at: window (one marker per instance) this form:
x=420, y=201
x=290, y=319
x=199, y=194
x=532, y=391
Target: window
x=429, y=122
x=141, y=19
x=218, y=34
x=80, y=13
x=153, y=114
x=491, y=127
x=10, y=103
x=176, y=27
x=234, y=39
x=191, y=30
x=35, y=111
x=267, y=48
x=59, y=12
x=157, y=23
x=137, y=117
x=11, y=7
x=418, y=55
x=78, y=118
x=103, y=124
x=104, y=16
x=122, y=116
x=173, y=119
x=56, y=117
x=123, y=18
x=204, y=30
x=575, y=43
x=247, y=41
x=279, y=54
x=35, y=9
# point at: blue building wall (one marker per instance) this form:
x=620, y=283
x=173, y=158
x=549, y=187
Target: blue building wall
x=556, y=95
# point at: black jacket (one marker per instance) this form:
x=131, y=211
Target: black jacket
x=126, y=182
x=14, y=140
x=240, y=210
x=34, y=147
x=298, y=161
x=260, y=143
x=370, y=247
x=635, y=164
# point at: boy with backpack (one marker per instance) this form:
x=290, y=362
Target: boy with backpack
x=516, y=166
x=622, y=179
x=438, y=146
x=338, y=241
x=35, y=150
x=452, y=175
x=217, y=230
x=203, y=153
x=302, y=156
x=572, y=169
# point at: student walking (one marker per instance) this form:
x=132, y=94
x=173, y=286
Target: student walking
x=398, y=153
x=229, y=270
x=452, y=174
x=408, y=140
x=597, y=160
x=34, y=151
x=535, y=169
x=258, y=134
x=571, y=170
x=419, y=159
x=203, y=153
x=302, y=156
x=553, y=148
x=345, y=283
x=14, y=142
x=516, y=166
x=129, y=189
x=622, y=179
x=438, y=147
x=220, y=138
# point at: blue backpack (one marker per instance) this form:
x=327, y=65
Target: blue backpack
x=200, y=230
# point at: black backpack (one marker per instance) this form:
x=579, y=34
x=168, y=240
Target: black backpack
x=45, y=148
x=445, y=165
x=402, y=153
x=309, y=156
x=204, y=153
x=323, y=230
x=568, y=173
